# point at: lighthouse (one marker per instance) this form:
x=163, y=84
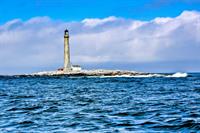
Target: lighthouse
x=67, y=65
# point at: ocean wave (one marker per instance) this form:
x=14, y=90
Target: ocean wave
x=175, y=75
x=178, y=75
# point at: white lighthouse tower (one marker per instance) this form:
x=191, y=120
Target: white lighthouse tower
x=67, y=64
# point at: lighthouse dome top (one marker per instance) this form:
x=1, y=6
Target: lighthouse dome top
x=66, y=31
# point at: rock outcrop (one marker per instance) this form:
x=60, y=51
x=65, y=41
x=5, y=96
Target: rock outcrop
x=91, y=73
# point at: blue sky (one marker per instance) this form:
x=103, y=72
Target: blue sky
x=74, y=10
x=144, y=35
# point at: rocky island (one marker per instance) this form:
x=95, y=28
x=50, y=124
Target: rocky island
x=98, y=72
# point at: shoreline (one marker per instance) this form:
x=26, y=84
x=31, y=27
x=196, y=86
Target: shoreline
x=101, y=73
x=97, y=72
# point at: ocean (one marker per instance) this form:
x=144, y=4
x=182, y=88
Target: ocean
x=61, y=104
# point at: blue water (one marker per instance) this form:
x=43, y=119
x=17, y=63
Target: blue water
x=122, y=104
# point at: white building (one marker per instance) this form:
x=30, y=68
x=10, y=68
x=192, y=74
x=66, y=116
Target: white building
x=76, y=68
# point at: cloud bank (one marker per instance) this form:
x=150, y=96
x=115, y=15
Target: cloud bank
x=38, y=42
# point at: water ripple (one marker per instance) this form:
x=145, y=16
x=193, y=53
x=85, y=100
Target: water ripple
x=69, y=104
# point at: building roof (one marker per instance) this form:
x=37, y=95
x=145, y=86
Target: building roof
x=76, y=66
x=66, y=30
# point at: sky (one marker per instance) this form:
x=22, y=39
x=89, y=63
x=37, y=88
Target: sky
x=145, y=35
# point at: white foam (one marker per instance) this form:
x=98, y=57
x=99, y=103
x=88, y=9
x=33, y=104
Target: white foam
x=175, y=75
x=148, y=76
x=178, y=75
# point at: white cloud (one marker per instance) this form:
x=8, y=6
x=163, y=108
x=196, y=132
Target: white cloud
x=96, y=22
x=162, y=20
x=39, y=41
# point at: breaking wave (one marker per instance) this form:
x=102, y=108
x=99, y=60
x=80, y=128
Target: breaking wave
x=175, y=75
x=178, y=75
